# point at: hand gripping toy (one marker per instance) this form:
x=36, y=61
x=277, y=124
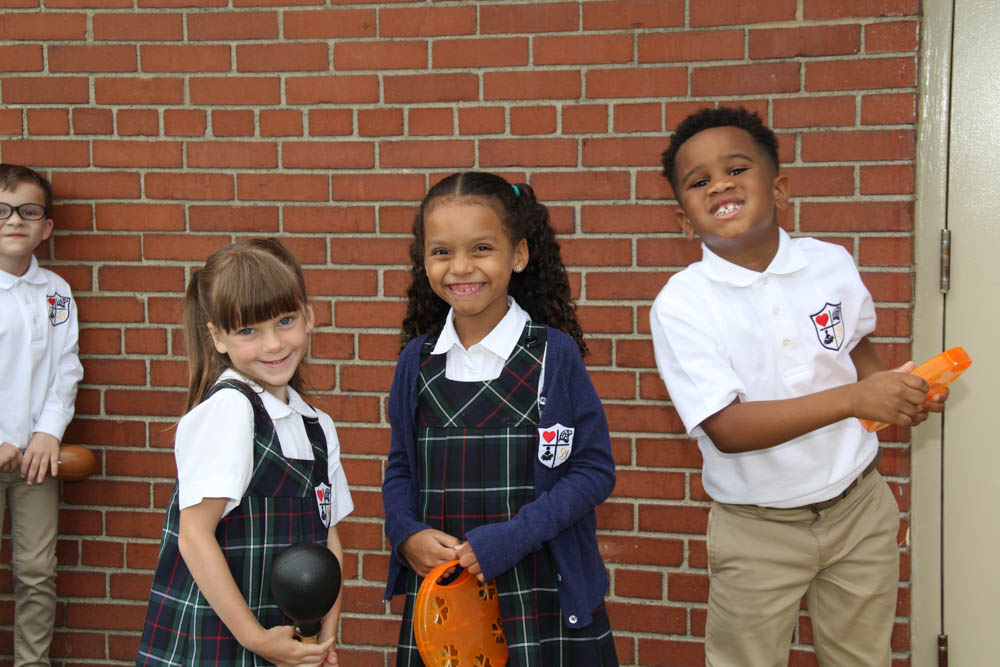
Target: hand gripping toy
x=76, y=462
x=939, y=371
x=305, y=582
x=458, y=624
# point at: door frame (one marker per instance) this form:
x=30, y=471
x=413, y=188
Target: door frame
x=933, y=104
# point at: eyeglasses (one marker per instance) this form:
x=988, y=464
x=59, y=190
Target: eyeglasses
x=28, y=212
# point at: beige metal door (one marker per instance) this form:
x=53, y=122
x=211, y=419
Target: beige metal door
x=957, y=460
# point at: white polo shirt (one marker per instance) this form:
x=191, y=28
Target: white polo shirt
x=39, y=363
x=722, y=332
x=214, y=446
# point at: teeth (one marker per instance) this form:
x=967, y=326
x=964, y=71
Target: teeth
x=726, y=209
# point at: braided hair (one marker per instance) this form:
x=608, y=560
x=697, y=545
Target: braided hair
x=541, y=289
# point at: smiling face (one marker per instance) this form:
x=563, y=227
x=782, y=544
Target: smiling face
x=468, y=259
x=268, y=352
x=728, y=189
x=19, y=237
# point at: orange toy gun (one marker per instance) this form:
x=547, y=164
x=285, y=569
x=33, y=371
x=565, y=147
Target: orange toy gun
x=939, y=371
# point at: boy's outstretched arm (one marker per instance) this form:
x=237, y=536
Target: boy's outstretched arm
x=892, y=396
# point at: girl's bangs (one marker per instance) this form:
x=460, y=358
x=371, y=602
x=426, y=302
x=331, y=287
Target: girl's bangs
x=254, y=291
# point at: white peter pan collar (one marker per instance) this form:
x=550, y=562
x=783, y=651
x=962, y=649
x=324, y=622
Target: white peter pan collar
x=275, y=409
x=788, y=259
x=500, y=341
x=33, y=275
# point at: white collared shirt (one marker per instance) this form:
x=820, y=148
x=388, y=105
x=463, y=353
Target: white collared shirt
x=485, y=360
x=214, y=446
x=39, y=361
x=723, y=332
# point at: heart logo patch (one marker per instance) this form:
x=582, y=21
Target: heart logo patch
x=548, y=435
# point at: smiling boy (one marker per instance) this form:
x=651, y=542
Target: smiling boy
x=762, y=346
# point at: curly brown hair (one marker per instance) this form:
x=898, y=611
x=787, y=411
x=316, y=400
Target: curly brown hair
x=542, y=289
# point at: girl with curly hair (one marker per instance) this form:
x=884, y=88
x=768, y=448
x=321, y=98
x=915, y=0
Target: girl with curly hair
x=500, y=449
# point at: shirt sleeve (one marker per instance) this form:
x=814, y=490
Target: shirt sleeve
x=691, y=359
x=214, y=450
x=60, y=399
x=866, y=313
x=343, y=503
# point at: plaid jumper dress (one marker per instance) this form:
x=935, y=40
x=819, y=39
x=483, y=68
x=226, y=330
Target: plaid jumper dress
x=278, y=509
x=477, y=444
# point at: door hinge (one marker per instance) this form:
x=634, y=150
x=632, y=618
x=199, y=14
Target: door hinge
x=945, y=282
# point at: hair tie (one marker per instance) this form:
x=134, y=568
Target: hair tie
x=517, y=193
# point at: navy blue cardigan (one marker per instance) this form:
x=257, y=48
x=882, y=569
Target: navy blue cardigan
x=562, y=514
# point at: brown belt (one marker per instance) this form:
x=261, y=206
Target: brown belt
x=827, y=504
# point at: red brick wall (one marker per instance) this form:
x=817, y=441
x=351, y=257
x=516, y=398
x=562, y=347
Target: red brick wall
x=171, y=127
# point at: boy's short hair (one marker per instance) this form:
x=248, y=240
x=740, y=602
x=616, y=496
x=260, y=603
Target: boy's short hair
x=721, y=117
x=12, y=175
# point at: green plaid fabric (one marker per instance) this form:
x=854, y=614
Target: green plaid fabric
x=278, y=509
x=477, y=447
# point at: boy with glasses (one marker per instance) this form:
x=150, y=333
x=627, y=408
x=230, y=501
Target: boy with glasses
x=40, y=371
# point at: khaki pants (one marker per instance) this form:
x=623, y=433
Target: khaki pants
x=34, y=514
x=845, y=561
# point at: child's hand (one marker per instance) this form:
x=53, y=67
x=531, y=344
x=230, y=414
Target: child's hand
x=40, y=457
x=278, y=644
x=10, y=457
x=467, y=559
x=894, y=396
x=427, y=549
x=934, y=404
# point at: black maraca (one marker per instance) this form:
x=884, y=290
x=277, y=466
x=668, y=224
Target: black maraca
x=305, y=582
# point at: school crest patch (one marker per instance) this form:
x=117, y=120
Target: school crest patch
x=555, y=444
x=58, y=308
x=829, y=324
x=324, y=502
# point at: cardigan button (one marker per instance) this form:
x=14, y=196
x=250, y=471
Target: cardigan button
x=541, y=400
x=572, y=619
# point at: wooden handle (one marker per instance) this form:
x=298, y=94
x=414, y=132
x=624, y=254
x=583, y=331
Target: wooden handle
x=314, y=639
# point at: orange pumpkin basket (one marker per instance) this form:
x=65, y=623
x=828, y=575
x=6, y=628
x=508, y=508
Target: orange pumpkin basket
x=458, y=624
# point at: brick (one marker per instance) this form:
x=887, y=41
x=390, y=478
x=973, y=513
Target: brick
x=282, y=187
x=45, y=90
x=425, y=122
x=820, y=181
x=641, y=550
x=814, y=111
x=233, y=155
x=415, y=88
x=540, y=17
x=380, y=55
x=720, y=12
x=49, y=152
x=139, y=402
x=664, y=519
x=626, y=219
x=889, y=179
x=649, y=618
x=885, y=251
x=630, y=82
x=378, y=187
x=639, y=151
x=882, y=216
x=104, y=247
x=584, y=119
x=380, y=122
x=283, y=57
x=752, y=79
x=112, y=153
x=309, y=90
x=835, y=9
x=527, y=152
x=21, y=58
x=95, y=58
x=892, y=37
x=144, y=27
x=119, y=217
x=581, y=185
x=329, y=23
x=344, y=283
x=373, y=251
x=602, y=49
x=533, y=120
x=280, y=123
x=866, y=145
x=185, y=58
x=535, y=84
x=146, y=341
x=232, y=122
x=47, y=26
x=861, y=74
x=232, y=26
x=189, y=186
x=480, y=52
x=48, y=121
x=327, y=155
x=810, y=41
x=87, y=185
x=895, y=287
x=184, y=122
x=97, y=341
x=632, y=14
x=692, y=46
x=235, y=90
x=10, y=121
x=137, y=122
x=144, y=91
x=431, y=153
x=683, y=587
x=889, y=109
